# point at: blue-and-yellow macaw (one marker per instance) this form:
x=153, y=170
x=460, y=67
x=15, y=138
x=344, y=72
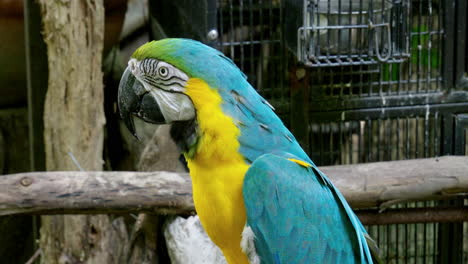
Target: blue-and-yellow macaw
x=258, y=195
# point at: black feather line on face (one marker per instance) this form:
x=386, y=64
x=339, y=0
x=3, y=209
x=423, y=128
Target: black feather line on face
x=149, y=66
x=171, y=77
x=143, y=65
x=152, y=77
x=169, y=84
x=161, y=85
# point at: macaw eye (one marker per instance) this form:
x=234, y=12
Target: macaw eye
x=163, y=71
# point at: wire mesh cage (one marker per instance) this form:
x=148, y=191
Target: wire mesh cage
x=343, y=32
x=250, y=34
x=420, y=74
x=389, y=90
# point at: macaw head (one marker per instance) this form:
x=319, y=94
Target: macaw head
x=153, y=86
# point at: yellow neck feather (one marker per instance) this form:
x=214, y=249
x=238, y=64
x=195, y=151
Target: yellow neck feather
x=217, y=170
x=218, y=141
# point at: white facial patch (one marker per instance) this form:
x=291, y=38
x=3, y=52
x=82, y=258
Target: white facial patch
x=158, y=74
x=167, y=84
x=248, y=245
x=174, y=106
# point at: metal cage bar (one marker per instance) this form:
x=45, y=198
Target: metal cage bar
x=343, y=32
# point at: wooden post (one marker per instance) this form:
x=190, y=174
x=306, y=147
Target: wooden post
x=74, y=123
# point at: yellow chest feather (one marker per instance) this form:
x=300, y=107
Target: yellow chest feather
x=217, y=170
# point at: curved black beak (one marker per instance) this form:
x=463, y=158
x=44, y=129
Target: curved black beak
x=135, y=100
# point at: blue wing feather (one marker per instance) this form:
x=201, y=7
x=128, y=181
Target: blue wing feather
x=295, y=216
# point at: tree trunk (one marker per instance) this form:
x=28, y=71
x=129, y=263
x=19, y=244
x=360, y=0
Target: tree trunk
x=74, y=123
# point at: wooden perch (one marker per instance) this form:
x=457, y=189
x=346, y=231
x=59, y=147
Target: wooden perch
x=381, y=184
x=364, y=185
x=73, y=192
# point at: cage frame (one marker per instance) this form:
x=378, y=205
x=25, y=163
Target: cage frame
x=397, y=34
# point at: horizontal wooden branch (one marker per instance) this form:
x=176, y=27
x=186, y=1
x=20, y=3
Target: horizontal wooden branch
x=381, y=184
x=364, y=185
x=73, y=192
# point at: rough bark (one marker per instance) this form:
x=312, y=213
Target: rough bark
x=364, y=185
x=74, y=123
x=382, y=184
x=70, y=192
